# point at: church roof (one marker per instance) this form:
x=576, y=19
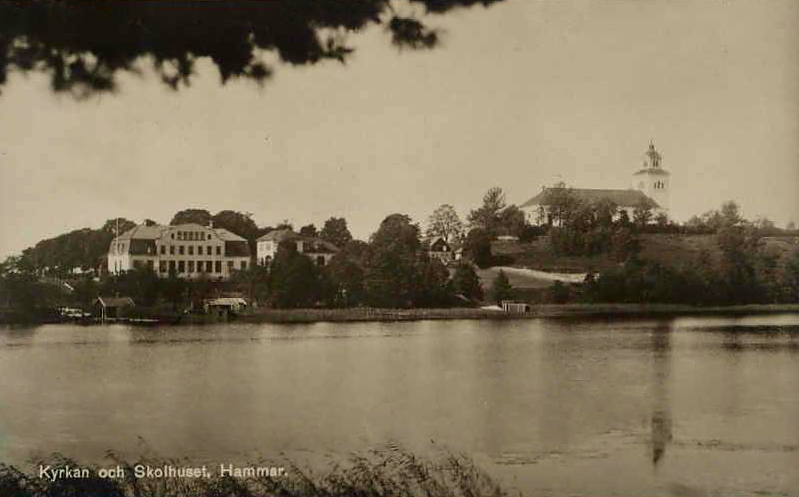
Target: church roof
x=622, y=198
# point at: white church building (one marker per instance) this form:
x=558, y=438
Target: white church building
x=650, y=186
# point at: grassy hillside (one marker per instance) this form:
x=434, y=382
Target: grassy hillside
x=517, y=279
x=669, y=249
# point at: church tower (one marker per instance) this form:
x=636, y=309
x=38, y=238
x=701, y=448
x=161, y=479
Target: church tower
x=652, y=179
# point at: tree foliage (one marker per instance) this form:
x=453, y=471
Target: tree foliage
x=486, y=217
x=477, y=247
x=445, y=223
x=346, y=271
x=309, y=230
x=83, y=248
x=195, y=216
x=294, y=280
x=336, y=232
x=391, y=277
x=236, y=222
x=642, y=214
x=466, y=282
x=501, y=288
x=83, y=46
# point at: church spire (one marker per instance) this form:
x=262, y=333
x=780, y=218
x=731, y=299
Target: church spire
x=653, y=156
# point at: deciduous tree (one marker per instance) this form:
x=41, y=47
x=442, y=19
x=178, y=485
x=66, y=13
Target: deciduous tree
x=336, y=232
x=444, y=222
x=197, y=216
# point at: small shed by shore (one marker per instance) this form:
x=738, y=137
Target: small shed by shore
x=515, y=307
x=230, y=304
x=109, y=307
x=223, y=308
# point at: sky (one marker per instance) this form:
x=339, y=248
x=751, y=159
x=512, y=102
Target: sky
x=519, y=95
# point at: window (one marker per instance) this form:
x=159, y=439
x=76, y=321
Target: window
x=172, y=249
x=163, y=249
x=150, y=264
x=173, y=236
x=218, y=250
x=191, y=249
x=191, y=266
x=199, y=266
x=171, y=266
x=208, y=250
x=162, y=266
x=209, y=236
x=180, y=250
x=137, y=264
x=320, y=261
x=229, y=266
x=243, y=264
x=181, y=267
x=209, y=266
x=218, y=267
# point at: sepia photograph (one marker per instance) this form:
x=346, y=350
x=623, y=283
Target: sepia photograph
x=399, y=248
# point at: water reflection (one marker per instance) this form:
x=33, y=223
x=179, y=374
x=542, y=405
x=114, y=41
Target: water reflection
x=661, y=424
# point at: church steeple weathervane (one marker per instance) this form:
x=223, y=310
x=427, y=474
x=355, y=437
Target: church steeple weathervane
x=653, y=156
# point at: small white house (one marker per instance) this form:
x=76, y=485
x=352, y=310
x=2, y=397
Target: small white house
x=320, y=251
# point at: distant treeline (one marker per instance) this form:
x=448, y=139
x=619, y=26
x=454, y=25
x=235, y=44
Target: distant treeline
x=746, y=271
x=394, y=268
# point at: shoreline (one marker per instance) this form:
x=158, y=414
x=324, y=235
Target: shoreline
x=537, y=312
x=378, y=315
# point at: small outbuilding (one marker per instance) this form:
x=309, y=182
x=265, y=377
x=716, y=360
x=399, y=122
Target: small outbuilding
x=515, y=307
x=230, y=304
x=110, y=307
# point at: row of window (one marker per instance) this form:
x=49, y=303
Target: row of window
x=193, y=236
x=659, y=185
x=190, y=248
x=181, y=267
x=265, y=261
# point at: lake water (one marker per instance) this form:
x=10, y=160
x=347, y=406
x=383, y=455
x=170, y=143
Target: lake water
x=678, y=406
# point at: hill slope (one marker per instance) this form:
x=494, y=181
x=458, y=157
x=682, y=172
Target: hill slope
x=668, y=249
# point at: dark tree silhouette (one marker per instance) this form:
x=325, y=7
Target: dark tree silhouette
x=83, y=44
x=336, y=232
x=198, y=216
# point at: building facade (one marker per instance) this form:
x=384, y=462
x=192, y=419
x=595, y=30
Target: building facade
x=320, y=251
x=650, y=187
x=440, y=249
x=189, y=251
